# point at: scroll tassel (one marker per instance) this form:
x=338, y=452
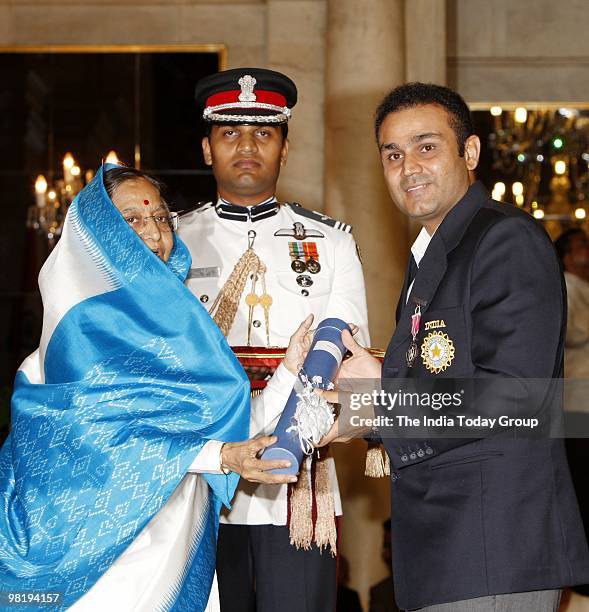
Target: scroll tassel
x=301, y=509
x=378, y=463
x=325, y=529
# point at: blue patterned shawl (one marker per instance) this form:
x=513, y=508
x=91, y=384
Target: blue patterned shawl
x=131, y=379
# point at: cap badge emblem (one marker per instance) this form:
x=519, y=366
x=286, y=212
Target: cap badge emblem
x=247, y=83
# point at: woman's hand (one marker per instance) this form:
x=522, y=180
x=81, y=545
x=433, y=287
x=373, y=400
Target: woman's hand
x=242, y=458
x=298, y=346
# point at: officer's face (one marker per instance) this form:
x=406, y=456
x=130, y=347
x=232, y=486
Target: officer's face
x=246, y=160
x=424, y=173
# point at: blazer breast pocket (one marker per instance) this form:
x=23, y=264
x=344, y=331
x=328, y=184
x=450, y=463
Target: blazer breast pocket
x=443, y=345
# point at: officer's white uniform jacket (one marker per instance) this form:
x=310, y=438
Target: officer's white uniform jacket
x=337, y=290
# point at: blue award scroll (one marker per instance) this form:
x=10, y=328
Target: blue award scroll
x=319, y=369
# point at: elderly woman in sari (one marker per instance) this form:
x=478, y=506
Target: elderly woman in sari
x=127, y=421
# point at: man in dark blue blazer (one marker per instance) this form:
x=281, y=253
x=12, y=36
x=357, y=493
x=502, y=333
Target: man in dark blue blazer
x=488, y=521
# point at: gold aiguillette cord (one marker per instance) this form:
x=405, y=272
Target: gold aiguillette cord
x=225, y=306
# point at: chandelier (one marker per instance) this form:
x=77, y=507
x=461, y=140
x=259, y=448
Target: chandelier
x=544, y=154
x=47, y=215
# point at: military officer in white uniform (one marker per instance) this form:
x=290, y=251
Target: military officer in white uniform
x=329, y=283
x=261, y=266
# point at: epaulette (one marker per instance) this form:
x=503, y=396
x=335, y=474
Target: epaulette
x=317, y=216
x=198, y=207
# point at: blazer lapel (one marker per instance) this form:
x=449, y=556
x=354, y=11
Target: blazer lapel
x=401, y=302
x=433, y=265
x=431, y=271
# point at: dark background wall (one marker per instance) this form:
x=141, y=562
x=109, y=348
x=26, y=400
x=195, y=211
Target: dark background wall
x=87, y=104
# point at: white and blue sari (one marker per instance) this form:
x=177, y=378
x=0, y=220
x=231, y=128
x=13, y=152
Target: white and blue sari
x=130, y=380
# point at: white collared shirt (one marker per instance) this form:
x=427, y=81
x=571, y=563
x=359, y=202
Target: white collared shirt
x=418, y=249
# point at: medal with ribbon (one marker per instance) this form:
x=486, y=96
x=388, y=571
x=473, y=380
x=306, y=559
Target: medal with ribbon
x=305, y=257
x=412, y=351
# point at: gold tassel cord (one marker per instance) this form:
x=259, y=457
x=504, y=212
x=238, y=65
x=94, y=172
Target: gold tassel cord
x=325, y=530
x=303, y=533
x=224, y=308
x=301, y=509
x=387, y=463
x=377, y=461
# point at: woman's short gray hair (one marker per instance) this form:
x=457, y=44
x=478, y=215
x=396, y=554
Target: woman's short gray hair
x=115, y=177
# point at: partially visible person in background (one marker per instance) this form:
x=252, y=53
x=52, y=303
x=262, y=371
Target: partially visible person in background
x=573, y=249
x=382, y=594
x=348, y=599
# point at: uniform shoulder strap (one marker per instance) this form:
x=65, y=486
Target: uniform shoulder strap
x=199, y=207
x=317, y=216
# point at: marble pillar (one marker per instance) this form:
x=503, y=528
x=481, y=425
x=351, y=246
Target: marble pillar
x=365, y=59
x=425, y=41
x=302, y=58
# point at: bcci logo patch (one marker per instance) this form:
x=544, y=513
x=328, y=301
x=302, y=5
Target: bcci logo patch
x=437, y=352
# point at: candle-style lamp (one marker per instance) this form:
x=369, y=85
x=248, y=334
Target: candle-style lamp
x=68, y=164
x=52, y=201
x=112, y=158
x=40, y=191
